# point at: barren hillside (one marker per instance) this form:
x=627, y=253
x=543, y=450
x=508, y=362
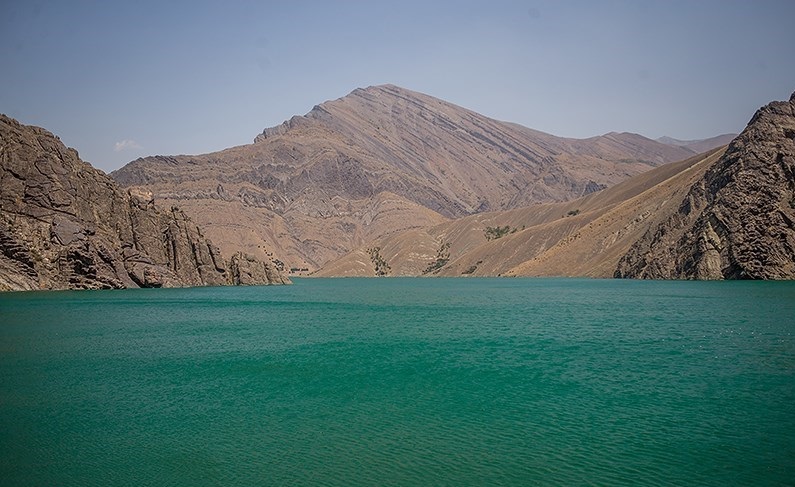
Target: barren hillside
x=377, y=162
x=725, y=214
x=583, y=237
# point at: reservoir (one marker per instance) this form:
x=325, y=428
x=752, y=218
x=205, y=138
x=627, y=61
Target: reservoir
x=401, y=381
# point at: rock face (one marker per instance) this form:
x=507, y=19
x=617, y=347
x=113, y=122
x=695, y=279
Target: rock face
x=738, y=221
x=376, y=162
x=66, y=225
x=245, y=270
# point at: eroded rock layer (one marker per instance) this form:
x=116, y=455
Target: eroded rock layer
x=737, y=222
x=66, y=225
x=380, y=161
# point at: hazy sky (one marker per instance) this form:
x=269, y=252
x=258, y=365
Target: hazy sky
x=119, y=80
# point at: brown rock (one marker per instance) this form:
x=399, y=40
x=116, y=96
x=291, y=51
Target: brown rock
x=66, y=225
x=317, y=186
x=246, y=270
x=737, y=221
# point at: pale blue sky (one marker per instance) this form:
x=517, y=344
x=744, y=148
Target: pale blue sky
x=119, y=80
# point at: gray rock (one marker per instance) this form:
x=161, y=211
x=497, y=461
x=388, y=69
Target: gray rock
x=66, y=225
x=738, y=221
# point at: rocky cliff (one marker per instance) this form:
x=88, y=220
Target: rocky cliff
x=738, y=220
x=66, y=225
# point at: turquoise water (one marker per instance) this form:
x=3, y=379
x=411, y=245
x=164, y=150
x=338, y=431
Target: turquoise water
x=346, y=382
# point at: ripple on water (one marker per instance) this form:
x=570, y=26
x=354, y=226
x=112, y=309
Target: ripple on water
x=401, y=382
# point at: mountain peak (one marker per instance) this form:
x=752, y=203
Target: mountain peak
x=329, y=176
x=386, y=88
x=371, y=102
x=375, y=91
x=387, y=92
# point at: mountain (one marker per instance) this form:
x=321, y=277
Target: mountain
x=582, y=237
x=700, y=145
x=376, y=162
x=726, y=214
x=738, y=220
x=66, y=225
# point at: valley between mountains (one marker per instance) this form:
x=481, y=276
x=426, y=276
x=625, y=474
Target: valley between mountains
x=390, y=182
x=360, y=171
x=728, y=213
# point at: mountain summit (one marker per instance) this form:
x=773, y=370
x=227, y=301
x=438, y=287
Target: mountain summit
x=458, y=162
x=380, y=160
x=728, y=213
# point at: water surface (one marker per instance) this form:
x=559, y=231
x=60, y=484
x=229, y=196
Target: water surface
x=346, y=382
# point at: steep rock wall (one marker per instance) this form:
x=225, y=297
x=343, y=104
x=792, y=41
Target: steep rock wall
x=66, y=225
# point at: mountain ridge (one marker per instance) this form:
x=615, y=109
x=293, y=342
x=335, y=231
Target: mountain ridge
x=699, y=145
x=726, y=214
x=312, y=179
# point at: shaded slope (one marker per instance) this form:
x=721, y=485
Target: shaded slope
x=595, y=248
x=66, y=225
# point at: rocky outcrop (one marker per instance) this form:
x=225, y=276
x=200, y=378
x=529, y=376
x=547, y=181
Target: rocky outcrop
x=245, y=270
x=66, y=225
x=738, y=221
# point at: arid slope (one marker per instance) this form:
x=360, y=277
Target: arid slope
x=725, y=214
x=583, y=237
x=377, y=162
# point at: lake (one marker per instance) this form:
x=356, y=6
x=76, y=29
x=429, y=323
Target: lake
x=348, y=382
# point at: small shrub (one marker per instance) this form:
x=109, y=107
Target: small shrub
x=493, y=233
x=472, y=268
x=381, y=266
x=442, y=258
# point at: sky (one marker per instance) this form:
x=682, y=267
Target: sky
x=122, y=80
